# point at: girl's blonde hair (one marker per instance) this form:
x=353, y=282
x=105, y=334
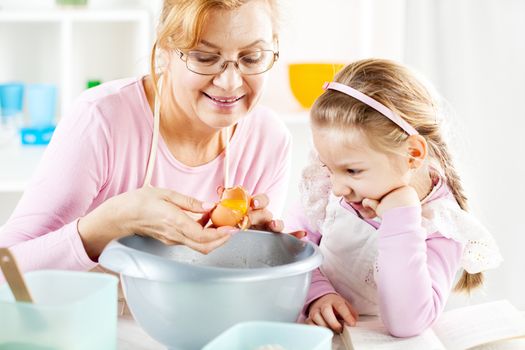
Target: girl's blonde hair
x=398, y=89
x=182, y=21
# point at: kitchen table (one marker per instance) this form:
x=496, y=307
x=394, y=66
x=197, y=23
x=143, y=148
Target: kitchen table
x=132, y=337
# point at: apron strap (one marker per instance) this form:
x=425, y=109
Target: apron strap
x=156, y=132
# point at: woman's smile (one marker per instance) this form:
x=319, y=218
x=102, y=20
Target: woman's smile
x=224, y=102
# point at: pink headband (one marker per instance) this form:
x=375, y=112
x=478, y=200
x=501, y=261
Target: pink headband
x=381, y=108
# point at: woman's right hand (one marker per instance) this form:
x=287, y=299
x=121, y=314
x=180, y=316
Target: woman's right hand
x=329, y=310
x=148, y=211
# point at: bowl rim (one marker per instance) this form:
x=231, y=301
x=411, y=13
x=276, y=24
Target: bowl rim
x=317, y=335
x=130, y=262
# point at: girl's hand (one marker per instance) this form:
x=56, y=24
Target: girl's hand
x=332, y=311
x=405, y=196
x=148, y=211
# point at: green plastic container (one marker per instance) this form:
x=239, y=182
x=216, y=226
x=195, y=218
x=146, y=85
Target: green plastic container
x=71, y=2
x=272, y=335
x=72, y=310
x=92, y=83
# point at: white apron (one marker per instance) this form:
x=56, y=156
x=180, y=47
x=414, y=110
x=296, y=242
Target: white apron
x=349, y=248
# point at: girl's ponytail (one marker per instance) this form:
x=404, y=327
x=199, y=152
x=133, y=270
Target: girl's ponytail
x=467, y=281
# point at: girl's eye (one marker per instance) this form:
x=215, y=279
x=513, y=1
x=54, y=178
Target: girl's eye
x=354, y=171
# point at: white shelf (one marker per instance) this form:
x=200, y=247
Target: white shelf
x=88, y=15
x=68, y=47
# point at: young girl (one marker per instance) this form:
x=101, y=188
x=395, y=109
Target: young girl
x=395, y=230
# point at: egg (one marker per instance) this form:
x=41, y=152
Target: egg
x=232, y=208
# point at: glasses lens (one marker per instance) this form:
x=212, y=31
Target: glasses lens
x=210, y=63
x=203, y=62
x=256, y=62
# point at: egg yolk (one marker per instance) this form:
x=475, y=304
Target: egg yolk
x=236, y=204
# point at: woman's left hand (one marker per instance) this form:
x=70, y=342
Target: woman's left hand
x=405, y=196
x=260, y=217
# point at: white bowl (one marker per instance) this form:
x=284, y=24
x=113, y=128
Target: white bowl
x=184, y=299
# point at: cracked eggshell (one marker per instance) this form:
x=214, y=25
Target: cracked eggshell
x=232, y=207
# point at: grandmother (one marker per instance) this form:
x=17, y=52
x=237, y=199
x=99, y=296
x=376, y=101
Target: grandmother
x=146, y=155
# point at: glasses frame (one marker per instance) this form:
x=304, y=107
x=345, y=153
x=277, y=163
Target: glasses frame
x=225, y=63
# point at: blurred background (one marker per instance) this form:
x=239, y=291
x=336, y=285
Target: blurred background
x=472, y=51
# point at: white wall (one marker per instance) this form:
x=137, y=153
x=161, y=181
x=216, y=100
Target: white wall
x=333, y=31
x=474, y=52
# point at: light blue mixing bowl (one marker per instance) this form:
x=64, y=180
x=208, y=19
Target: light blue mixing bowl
x=184, y=299
x=272, y=335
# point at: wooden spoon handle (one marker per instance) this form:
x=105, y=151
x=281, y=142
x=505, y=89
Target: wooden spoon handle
x=13, y=276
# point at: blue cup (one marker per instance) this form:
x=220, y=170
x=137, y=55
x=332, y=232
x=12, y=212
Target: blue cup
x=41, y=104
x=11, y=98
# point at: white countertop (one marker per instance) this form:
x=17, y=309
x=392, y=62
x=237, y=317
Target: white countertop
x=18, y=163
x=132, y=337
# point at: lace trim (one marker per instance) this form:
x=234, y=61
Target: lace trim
x=315, y=189
x=480, y=250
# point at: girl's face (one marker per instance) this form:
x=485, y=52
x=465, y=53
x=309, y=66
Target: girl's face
x=357, y=171
x=220, y=100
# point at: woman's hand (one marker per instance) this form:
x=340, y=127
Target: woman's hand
x=332, y=311
x=260, y=218
x=154, y=212
x=405, y=196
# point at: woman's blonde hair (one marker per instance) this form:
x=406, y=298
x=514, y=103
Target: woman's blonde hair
x=398, y=89
x=182, y=21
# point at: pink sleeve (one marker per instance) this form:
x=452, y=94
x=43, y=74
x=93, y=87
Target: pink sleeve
x=42, y=231
x=320, y=285
x=415, y=272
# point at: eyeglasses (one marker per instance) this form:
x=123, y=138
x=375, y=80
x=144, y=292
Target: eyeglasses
x=206, y=63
